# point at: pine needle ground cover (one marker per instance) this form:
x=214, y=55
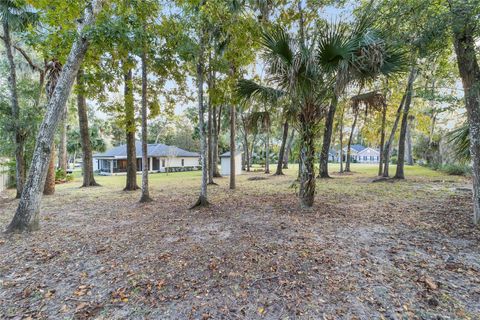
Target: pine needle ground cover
x=366, y=249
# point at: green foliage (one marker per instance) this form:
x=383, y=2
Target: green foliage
x=457, y=169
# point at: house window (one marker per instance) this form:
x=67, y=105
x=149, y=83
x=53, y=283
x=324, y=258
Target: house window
x=163, y=163
x=183, y=162
x=371, y=158
x=364, y=158
x=115, y=164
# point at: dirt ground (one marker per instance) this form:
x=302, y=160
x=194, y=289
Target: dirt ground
x=383, y=250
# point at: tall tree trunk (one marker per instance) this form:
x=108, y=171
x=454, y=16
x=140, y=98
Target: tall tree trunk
x=145, y=189
x=27, y=213
x=54, y=68
x=469, y=69
x=288, y=150
x=267, y=151
x=382, y=139
x=341, y=140
x=388, y=145
x=327, y=138
x=20, y=169
x=400, y=174
x=232, y=147
x=202, y=199
x=216, y=132
x=409, y=141
x=350, y=139
x=131, y=183
x=62, y=147
x=281, y=154
x=245, y=143
x=307, y=159
x=87, y=159
x=210, y=147
x=49, y=187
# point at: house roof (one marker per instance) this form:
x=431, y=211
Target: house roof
x=153, y=150
x=227, y=154
x=357, y=147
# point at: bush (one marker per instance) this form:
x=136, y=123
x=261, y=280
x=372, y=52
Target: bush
x=393, y=160
x=60, y=175
x=457, y=169
x=69, y=177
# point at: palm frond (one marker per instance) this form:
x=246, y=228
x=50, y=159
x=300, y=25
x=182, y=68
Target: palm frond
x=460, y=140
x=278, y=45
x=249, y=89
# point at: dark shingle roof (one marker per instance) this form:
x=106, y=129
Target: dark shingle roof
x=357, y=147
x=153, y=150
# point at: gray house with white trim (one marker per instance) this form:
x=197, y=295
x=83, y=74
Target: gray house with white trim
x=361, y=154
x=161, y=158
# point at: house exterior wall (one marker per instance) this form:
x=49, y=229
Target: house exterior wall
x=368, y=155
x=225, y=165
x=105, y=166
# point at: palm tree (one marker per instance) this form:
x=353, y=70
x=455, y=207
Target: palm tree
x=15, y=16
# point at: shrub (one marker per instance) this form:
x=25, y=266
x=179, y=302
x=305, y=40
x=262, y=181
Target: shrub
x=457, y=169
x=60, y=175
x=393, y=160
x=69, y=177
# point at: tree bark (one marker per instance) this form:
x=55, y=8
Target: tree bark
x=400, y=174
x=145, y=189
x=62, y=147
x=281, y=154
x=267, y=151
x=341, y=140
x=202, y=199
x=327, y=138
x=49, y=187
x=87, y=158
x=382, y=139
x=27, y=213
x=20, y=170
x=216, y=132
x=210, y=139
x=347, y=165
x=469, y=69
x=232, y=147
x=131, y=183
x=409, y=142
x=288, y=150
x=307, y=159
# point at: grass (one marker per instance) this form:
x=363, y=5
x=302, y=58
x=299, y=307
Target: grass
x=253, y=253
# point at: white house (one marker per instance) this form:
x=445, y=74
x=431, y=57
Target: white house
x=225, y=163
x=361, y=154
x=161, y=158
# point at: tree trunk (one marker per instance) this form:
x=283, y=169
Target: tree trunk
x=62, y=147
x=281, y=154
x=400, y=174
x=288, y=150
x=409, y=142
x=469, y=69
x=49, y=187
x=388, y=145
x=267, y=151
x=27, y=214
x=216, y=132
x=202, y=199
x=20, y=169
x=347, y=165
x=306, y=165
x=327, y=138
x=341, y=141
x=145, y=190
x=87, y=159
x=131, y=183
x=210, y=147
x=382, y=139
x=232, y=147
